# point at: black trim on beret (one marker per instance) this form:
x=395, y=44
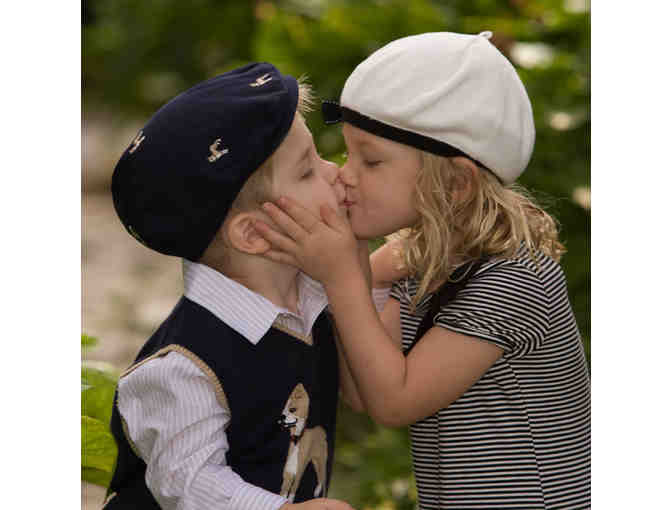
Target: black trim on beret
x=333, y=113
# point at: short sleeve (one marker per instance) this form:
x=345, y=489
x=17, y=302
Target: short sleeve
x=397, y=290
x=506, y=304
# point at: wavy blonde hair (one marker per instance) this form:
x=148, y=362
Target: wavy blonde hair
x=469, y=215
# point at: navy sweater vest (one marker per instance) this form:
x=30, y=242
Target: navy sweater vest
x=282, y=394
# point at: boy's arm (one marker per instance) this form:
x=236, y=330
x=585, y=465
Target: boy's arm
x=177, y=426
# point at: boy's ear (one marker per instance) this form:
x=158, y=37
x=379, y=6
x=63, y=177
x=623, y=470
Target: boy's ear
x=243, y=236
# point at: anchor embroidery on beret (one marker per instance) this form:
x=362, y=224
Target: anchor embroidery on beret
x=136, y=143
x=215, y=154
x=261, y=80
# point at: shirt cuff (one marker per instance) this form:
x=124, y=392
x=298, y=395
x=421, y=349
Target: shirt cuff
x=251, y=497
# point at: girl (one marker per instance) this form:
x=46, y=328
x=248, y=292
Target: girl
x=494, y=385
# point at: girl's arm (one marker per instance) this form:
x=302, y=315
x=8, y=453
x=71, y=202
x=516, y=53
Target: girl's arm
x=395, y=390
x=399, y=390
x=349, y=391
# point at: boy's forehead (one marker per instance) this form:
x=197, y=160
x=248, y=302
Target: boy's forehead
x=296, y=146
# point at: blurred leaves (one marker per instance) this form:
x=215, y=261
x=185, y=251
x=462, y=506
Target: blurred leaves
x=99, y=451
x=137, y=55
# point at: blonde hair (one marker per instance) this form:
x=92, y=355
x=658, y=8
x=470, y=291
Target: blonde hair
x=259, y=186
x=469, y=215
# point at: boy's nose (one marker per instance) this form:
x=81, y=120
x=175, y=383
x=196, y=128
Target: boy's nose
x=348, y=175
x=331, y=171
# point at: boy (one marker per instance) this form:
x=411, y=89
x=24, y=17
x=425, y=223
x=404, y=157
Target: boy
x=232, y=402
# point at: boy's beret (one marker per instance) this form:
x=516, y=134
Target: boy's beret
x=445, y=93
x=175, y=183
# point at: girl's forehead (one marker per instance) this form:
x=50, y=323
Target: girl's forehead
x=355, y=135
x=363, y=139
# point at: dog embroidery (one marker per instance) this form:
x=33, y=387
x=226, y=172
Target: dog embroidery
x=306, y=445
x=136, y=142
x=215, y=154
x=262, y=80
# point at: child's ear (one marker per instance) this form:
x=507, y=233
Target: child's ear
x=465, y=178
x=243, y=236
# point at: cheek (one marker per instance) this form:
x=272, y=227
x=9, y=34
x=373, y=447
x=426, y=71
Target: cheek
x=313, y=195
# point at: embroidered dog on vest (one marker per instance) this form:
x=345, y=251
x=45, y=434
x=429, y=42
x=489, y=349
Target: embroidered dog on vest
x=306, y=445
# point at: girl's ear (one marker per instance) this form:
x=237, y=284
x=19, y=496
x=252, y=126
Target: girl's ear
x=243, y=236
x=465, y=177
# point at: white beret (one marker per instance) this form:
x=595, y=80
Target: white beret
x=446, y=93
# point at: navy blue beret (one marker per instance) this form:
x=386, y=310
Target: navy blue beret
x=175, y=183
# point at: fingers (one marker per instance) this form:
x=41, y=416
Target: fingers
x=279, y=241
x=333, y=219
x=299, y=216
x=331, y=504
x=284, y=258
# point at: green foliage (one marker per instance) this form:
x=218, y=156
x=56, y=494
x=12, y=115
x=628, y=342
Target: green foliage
x=99, y=451
x=88, y=341
x=372, y=468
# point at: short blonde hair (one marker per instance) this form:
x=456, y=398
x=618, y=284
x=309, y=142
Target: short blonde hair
x=488, y=219
x=259, y=186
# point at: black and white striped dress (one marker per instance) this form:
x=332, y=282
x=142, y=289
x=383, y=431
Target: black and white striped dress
x=520, y=437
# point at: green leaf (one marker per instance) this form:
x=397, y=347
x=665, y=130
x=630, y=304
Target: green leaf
x=99, y=451
x=88, y=341
x=97, y=393
x=96, y=476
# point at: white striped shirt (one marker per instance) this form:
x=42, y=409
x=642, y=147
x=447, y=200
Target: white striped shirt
x=171, y=411
x=520, y=436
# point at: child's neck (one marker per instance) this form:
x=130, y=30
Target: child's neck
x=276, y=282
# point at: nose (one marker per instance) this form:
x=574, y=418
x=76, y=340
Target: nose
x=330, y=171
x=348, y=175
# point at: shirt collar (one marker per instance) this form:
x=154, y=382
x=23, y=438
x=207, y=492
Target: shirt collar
x=249, y=313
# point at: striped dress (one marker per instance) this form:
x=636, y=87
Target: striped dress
x=520, y=436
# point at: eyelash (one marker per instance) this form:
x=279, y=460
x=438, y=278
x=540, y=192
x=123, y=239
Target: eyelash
x=372, y=163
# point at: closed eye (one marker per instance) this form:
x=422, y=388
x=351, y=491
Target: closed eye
x=372, y=163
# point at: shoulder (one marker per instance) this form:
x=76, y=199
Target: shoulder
x=524, y=273
x=162, y=368
x=170, y=375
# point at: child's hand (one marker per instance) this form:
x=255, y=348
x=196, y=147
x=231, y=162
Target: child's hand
x=325, y=249
x=317, y=504
x=387, y=264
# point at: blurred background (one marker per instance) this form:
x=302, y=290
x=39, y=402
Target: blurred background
x=138, y=55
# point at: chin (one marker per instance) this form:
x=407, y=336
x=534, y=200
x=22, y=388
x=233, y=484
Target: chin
x=367, y=232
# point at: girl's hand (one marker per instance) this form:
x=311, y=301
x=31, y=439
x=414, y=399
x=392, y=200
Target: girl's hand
x=324, y=248
x=317, y=504
x=387, y=265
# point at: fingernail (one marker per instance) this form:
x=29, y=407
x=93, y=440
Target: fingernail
x=282, y=201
